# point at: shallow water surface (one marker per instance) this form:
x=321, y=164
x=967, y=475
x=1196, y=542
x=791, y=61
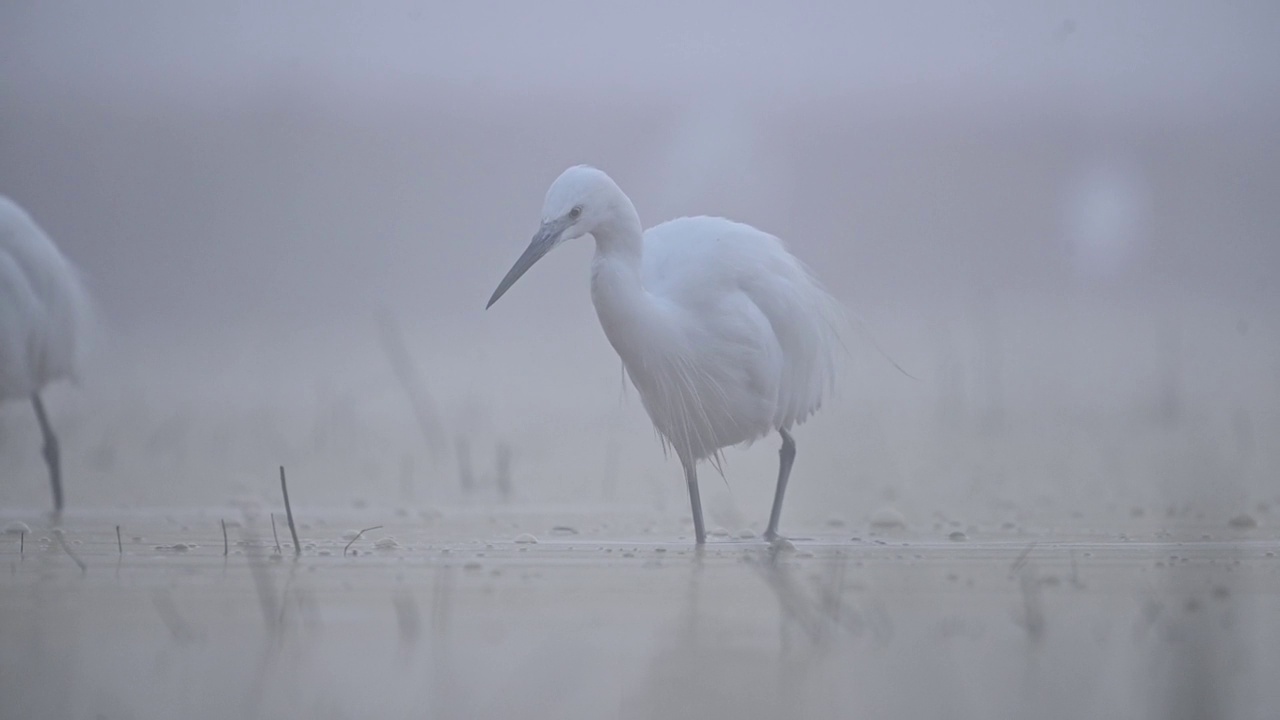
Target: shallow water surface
x=575, y=613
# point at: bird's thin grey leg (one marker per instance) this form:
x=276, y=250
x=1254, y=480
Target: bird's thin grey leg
x=691, y=477
x=786, y=456
x=50, y=452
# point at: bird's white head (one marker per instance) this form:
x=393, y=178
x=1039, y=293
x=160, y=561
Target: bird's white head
x=582, y=200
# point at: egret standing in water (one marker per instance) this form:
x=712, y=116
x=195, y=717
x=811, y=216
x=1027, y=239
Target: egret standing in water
x=43, y=312
x=726, y=336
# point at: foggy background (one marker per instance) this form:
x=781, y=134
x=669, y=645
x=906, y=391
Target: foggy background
x=1061, y=217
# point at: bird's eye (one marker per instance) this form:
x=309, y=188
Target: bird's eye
x=576, y=212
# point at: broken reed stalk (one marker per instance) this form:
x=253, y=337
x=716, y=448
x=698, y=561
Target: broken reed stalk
x=225, y=545
x=357, y=537
x=297, y=548
x=1022, y=558
x=274, y=534
x=62, y=541
x=22, y=545
x=410, y=378
x=119, y=542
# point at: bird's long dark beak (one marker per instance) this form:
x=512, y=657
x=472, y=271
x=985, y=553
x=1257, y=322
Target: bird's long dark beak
x=547, y=238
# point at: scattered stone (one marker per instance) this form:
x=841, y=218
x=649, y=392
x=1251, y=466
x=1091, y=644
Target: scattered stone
x=563, y=530
x=835, y=522
x=17, y=527
x=386, y=543
x=958, y=536
x=746, y=534
x=887, y=518
x=718, y=532
x=526, y=539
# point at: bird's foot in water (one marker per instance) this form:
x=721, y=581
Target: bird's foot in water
x=779, y=543
x=52, y=519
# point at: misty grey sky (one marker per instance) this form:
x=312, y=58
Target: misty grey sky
x=396, y=152
x=1031, y=203
x=1118, y=55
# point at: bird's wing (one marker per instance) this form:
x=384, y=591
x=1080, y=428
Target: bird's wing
x=695, y=262
x=18, y=306
x=696, y=259
x=57, y=310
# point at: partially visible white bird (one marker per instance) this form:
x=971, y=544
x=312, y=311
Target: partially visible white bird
x=726, y=336
x=44, y=310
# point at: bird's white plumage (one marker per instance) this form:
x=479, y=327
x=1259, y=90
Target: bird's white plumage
x=43, y=308
x=726, y=335
x=746, y=344
x=715, y=269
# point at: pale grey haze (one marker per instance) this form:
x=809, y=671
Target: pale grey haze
x=1060, y=217
x=1054, y=215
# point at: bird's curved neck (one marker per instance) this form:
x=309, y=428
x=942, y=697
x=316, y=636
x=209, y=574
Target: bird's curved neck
x=617, y=290
x=620, y=238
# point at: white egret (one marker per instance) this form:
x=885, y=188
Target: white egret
x=43, y=312
x=726, y=336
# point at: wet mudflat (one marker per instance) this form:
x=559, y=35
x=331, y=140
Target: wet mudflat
x=601, y=613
